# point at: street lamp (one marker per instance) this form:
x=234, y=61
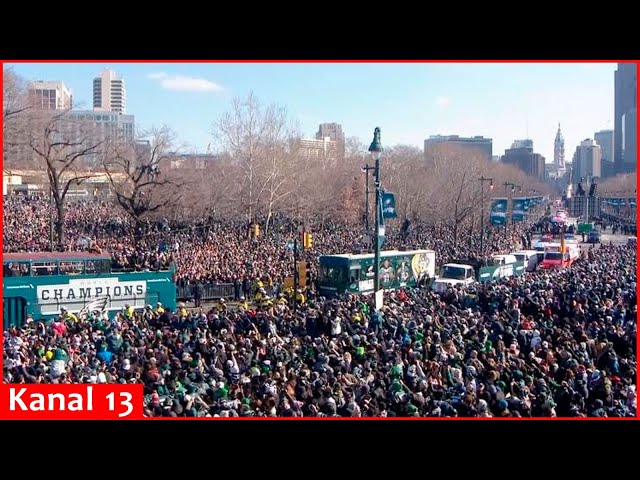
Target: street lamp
x=376, y=152
x=482, y=180
x=365, y=170
x=513, y=189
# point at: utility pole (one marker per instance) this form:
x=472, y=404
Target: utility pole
x=366, y=170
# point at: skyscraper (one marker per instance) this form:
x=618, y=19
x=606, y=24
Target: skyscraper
x=625, y=138
x=558, y=150
x=522, y=156
x=587, y=160
x=109, y=94
x=333, y=131
x=604, y=138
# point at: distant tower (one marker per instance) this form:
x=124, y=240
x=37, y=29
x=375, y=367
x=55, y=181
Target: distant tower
x=109, y=93
x=558, y=150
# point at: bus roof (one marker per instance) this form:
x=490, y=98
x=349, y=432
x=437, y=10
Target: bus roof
x=384, y=253
x=53, y=256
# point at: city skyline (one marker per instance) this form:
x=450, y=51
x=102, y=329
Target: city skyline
x=409, y=101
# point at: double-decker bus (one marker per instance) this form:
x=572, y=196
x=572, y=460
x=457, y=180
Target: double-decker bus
x=40, y=284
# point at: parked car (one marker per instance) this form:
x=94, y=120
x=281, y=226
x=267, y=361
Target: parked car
x=593, y=237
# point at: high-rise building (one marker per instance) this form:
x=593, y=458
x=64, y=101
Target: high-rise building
x=558, y=150
x=625, y=135
x=522, y=143
x=526, y=160
x=334, y=132
x=109, y=93
x=604, y=138
x=478, y=145
x=587, y=160
x=50, y=95
x=324, y=150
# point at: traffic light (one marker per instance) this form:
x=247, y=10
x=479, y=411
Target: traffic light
x=307, y=240
x=256, y=230
x=307, y=281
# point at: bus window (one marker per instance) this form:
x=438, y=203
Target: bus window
x=16, y=269
x=72, y=268
x=39, y=269
x=98, y=266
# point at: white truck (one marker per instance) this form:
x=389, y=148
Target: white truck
x=454, y=274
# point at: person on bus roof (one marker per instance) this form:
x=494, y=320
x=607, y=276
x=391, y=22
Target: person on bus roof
x=129, y=311
x=67, y=315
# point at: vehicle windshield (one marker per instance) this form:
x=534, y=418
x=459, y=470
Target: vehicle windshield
x=332, y=275
x=454, y=273
x=553, y=256
x=520, y=257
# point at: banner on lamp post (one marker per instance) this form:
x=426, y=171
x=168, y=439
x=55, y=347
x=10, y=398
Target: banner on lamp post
x=389, y=205
x=498, y=215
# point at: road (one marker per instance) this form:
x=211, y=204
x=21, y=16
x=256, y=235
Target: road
x=606, y=237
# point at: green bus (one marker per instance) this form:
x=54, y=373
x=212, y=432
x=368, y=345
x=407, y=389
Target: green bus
x=40, y=284
x=354, y=273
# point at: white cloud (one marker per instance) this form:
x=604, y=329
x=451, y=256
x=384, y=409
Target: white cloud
x=183, y=83
x=442, y=101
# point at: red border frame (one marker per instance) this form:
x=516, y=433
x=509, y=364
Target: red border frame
x=637, y=62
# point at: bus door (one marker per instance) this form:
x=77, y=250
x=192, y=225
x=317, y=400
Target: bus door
x=14, y=311
x=354, y=278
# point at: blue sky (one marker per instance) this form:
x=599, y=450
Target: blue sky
x=408, y=101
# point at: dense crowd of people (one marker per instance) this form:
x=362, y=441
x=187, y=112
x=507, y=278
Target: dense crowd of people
x=545, y=344
x=213, y=251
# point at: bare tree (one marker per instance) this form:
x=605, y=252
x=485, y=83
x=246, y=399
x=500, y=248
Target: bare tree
x=135, y=177
x=62, y=145
x=14, y=95
x=264, y=146
x=242, y=132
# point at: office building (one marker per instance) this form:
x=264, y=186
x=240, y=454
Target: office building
x=604, y=138
x=525, y=159
x=477, y=145
x=109, y=93
x=625, y=134
x=587, y=160
x=334, y=132
x=46, y=95
x=325, y=150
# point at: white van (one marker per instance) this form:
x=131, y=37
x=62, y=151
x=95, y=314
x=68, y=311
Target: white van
x=529, y=257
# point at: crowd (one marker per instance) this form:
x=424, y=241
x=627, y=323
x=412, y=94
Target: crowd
x=548, y=343
x=212, y=252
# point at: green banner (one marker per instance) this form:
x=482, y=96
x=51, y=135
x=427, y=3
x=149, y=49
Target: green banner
x=389, y=205
x=527, y=203
x=517, y=213
x=632, y=202
x=488, y=274
x=498, y=213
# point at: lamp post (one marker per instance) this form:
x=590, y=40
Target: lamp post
x=506, y=216
x=365, y=170
x=376, y=152
x=482, y=180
